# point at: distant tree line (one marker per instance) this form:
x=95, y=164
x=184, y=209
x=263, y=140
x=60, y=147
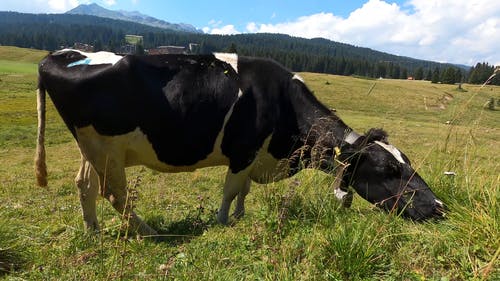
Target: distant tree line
x=53, y=31
x=481, y=72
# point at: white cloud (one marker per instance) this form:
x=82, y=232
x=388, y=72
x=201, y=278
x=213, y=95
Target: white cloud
x=109, y=2
x=317, y=25
x=458, y=31
x=60, y=6
x=216, y=28
x=40, y=6
x=227, y=29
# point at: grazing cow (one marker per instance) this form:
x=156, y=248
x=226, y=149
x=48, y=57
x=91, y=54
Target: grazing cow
x=176, y=113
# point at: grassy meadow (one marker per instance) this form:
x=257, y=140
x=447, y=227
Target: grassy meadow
x=293, y=229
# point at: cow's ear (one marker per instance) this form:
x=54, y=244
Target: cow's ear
x=376, y=134
x=349, y=152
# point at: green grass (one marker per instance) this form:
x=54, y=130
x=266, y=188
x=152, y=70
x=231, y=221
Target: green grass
x=133, y=39
x=293, y=229
x=22, y=55
x=16, y=68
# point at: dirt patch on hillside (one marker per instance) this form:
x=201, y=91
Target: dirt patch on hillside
x=439, y=103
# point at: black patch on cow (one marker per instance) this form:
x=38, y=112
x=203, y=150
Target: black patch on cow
x=274, y=103
x=178, y=101
x=254, y=114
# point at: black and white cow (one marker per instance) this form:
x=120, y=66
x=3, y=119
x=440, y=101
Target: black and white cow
x=176, y=113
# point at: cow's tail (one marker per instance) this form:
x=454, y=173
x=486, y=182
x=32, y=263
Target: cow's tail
x=40, y=165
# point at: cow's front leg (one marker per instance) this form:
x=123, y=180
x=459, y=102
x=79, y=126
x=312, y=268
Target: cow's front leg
x=88, y=186
x=239, y=210
x=236, y=184
x=341, y=186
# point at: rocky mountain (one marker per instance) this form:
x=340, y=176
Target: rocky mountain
x=96, y=10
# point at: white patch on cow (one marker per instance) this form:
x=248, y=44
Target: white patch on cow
x=95, y=58
x=230, y=112
x=298, y=77
x=229, y=58
x=393, y=150
x=135, y=148
x=352, y=137
x=340, y=194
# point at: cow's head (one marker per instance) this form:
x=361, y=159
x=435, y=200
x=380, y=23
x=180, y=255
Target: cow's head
x=382, y=174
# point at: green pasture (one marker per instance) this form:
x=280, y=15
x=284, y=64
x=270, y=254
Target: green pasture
x=293, y=229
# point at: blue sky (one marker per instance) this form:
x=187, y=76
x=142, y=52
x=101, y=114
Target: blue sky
x=238, y=13
x=456, y=31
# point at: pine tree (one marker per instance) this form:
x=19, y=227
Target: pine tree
x=496, y=78
x=448, y=76
x=435, y=75
x=458, y=76
x=232, y=49
x=380, y=70
x=396, y=72
x=419, y=74
x=404, y=74
x=428, y=77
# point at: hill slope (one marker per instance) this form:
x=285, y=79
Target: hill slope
x=21, y=54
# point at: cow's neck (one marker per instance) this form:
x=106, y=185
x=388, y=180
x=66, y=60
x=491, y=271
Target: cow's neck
x=326, y=129
x=323, y=135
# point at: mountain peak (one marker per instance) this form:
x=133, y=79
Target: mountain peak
x=86, y=8
x=94, y=9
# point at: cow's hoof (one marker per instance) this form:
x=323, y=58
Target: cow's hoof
x=222, y=218
x=238, y=214
x=92, y=227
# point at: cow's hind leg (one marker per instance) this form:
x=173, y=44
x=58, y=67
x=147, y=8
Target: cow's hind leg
x=113, y=185
x=235, y=184
x=114, y=188
x=88, y=187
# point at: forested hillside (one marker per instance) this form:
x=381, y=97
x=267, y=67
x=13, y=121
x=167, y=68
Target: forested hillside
x=53, y=31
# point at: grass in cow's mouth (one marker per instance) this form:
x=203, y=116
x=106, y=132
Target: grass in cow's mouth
x=293, y=229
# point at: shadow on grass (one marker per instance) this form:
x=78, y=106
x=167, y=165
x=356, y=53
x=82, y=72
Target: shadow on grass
x=182, y=231
x=14, y=253
x=11, y=260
